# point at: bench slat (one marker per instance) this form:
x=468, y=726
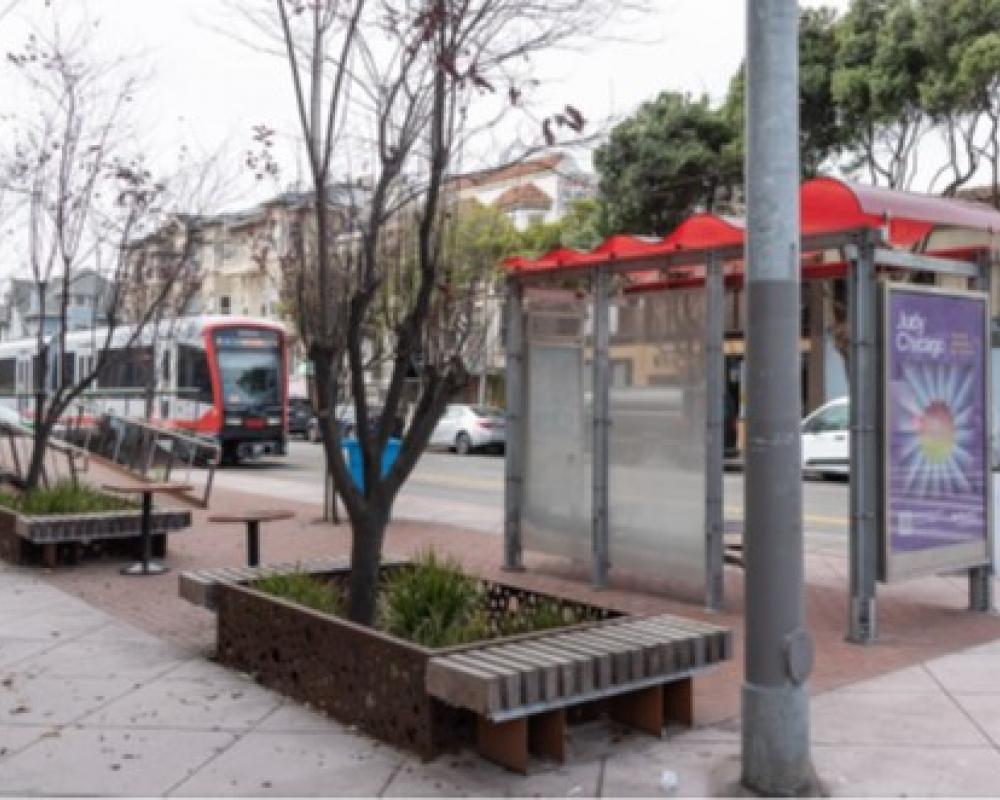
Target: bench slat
x=559, y=672
x=509, y=677
x=684, y=647
x=601, y=655
x=531, y=685
x=581, y=664
x=465, y=686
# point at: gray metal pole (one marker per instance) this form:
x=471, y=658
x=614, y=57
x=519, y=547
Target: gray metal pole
x=715, y=366
x=515, y=429
x=602, y=422
x=776, y=751
x=981, y=578
x=862, y=625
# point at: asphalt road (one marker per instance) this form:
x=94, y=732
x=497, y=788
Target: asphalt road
x=468, y=491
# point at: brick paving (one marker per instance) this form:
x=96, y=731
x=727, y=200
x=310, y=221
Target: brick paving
x=918, y=620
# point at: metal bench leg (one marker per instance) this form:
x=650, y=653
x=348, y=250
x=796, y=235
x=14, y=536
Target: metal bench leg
x=504, y=743
x=678, y=702
x=253, y=543
x=641, y=709
x=547, y=735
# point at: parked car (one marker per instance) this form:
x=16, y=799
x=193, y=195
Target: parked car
x=466, y=428
x=299, y=415
x=826, y=439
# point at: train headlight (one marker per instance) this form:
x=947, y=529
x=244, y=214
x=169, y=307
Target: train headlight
x=234, y=421
x=274, y=420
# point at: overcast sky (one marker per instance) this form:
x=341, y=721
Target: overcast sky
x=207, y=90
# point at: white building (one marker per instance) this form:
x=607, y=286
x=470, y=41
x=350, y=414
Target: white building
x=532, y=191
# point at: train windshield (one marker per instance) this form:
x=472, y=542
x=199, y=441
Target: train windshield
x=249, y=367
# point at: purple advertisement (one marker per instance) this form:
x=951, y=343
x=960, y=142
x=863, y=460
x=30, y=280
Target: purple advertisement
x=936, y=430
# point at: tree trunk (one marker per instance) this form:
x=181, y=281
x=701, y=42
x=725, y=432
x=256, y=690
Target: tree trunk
x=367, y=534
x=37, y=461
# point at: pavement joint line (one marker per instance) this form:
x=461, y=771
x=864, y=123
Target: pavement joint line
x=219, y=752
x=815, y=519
x=975, y=723
x=77, y=722
x=599, y=789
x=216, y=752
x=392, y=777
x=57, y=641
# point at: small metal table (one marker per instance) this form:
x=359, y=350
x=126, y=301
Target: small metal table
x=252, y=519
x=145, y=566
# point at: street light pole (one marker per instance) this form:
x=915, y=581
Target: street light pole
x=779, y=652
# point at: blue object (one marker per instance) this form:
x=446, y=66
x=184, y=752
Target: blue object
x=353, y=451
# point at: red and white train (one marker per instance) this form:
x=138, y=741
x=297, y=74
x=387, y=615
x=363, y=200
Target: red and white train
x=222, y=377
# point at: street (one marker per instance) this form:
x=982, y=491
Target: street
x=468, y=491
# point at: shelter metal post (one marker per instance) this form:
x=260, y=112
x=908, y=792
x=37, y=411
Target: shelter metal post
x=714, y=440
x=863, y=547
x=602, y=423
x=514, y=462
x=981, y=578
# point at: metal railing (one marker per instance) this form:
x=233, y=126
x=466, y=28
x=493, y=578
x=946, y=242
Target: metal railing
x=150, y=452
x=62, y=462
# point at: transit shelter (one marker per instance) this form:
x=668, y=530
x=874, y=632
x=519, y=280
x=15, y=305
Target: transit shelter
x=619, y=412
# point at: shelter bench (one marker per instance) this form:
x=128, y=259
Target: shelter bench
x=639, y=668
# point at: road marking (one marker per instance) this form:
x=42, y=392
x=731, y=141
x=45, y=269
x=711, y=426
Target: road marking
x=456, y=482
x=815, y=519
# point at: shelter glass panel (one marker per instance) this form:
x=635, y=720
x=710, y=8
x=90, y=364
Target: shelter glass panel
x=558, y=436
x=657, y=483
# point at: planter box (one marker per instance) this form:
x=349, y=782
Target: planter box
x=27, y=539
x=356, y=674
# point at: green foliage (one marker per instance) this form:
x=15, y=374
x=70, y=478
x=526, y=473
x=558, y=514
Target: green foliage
x=820, y=130
x=65, y=498
x=481, y=236
x=670, y=157
x=541, y=616
x=585, y=225
x=872, y=82
x=434, y=604
x=305, y=589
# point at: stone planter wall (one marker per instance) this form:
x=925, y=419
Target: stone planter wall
x=356, y=674
x=24, y=539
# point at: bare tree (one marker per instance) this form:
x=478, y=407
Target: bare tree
x=83, y=195
x=400, y=87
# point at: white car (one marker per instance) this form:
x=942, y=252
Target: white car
x=826, y=439
x=466, y=428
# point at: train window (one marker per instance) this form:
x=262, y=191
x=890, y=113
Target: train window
x=68, y=369
x=8, y=373
x=130, y=368
x=193, y=381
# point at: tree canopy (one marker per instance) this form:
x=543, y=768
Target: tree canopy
x=671, y=156
x=875, y=82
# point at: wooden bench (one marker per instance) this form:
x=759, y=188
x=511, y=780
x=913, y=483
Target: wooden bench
x=640, y=667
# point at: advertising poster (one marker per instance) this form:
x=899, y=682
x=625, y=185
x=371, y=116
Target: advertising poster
x=936, y=477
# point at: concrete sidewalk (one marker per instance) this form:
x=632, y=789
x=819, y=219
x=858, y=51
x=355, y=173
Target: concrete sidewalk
x=91, y=705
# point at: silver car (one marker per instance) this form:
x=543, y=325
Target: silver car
x=466, y=428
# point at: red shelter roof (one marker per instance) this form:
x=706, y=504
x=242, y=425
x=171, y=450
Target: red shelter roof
x=828, y=205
